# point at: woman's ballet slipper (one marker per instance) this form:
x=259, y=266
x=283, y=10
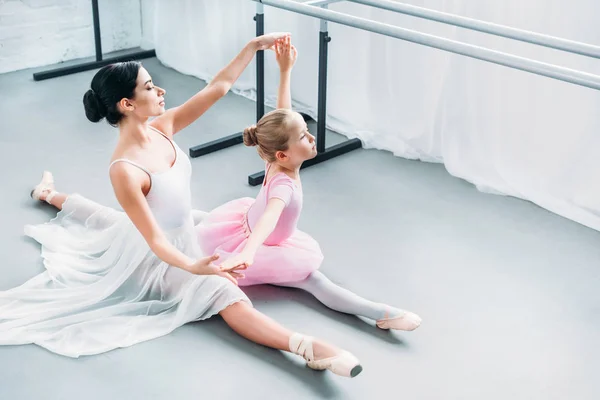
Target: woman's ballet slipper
x=343, y=364
x=405, y=322
x=45, y=186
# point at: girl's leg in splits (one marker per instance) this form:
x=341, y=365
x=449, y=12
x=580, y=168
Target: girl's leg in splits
x=343, y=300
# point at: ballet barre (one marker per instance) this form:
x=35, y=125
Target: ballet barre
x=497, y=57
x=319, y=9
x=486, y=27
x=100, y=61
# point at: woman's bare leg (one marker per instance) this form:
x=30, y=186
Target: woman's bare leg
x=57, y=200
x=85, y=208
x=257, y=327
x=46, y=191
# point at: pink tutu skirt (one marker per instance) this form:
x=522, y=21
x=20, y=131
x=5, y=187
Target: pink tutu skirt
x=225, y=231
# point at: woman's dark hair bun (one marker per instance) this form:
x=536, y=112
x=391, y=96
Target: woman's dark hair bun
x=94, y=109
x=111, y=83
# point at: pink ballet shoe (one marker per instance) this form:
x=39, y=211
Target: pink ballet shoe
x=343, y=364
x=45, y=186
x=405, y=322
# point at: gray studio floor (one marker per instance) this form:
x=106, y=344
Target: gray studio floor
x=509, y=293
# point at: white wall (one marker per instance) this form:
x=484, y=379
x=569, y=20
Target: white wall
x=148, y=27
x=34, y=33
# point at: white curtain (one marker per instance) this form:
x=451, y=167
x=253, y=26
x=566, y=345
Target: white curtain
x=506, y=131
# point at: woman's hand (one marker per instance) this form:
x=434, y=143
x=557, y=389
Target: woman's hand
x=238, y=262
x=267, y=42
x=206, y=266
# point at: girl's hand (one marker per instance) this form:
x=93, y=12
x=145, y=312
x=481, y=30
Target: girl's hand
x=285, y=54
x=206, y=266
x=238, y=262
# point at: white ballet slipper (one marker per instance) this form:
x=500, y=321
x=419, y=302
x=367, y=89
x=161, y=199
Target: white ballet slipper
x=343, y=364
x=46, y=185
x=406, y=322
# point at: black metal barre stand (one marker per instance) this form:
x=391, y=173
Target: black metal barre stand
x=100, y=62
x=323, y=153
x=238, y=138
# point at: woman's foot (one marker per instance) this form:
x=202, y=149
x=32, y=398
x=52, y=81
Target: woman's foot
x=406, y=321
x=320, y=356
x=45, y=190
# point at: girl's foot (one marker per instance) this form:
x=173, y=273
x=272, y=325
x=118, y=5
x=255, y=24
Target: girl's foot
x=407, y=321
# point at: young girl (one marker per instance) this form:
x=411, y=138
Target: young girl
x=261, y=233
x=116, y=278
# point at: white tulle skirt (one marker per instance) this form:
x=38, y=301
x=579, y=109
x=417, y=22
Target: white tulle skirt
x=103, y=288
